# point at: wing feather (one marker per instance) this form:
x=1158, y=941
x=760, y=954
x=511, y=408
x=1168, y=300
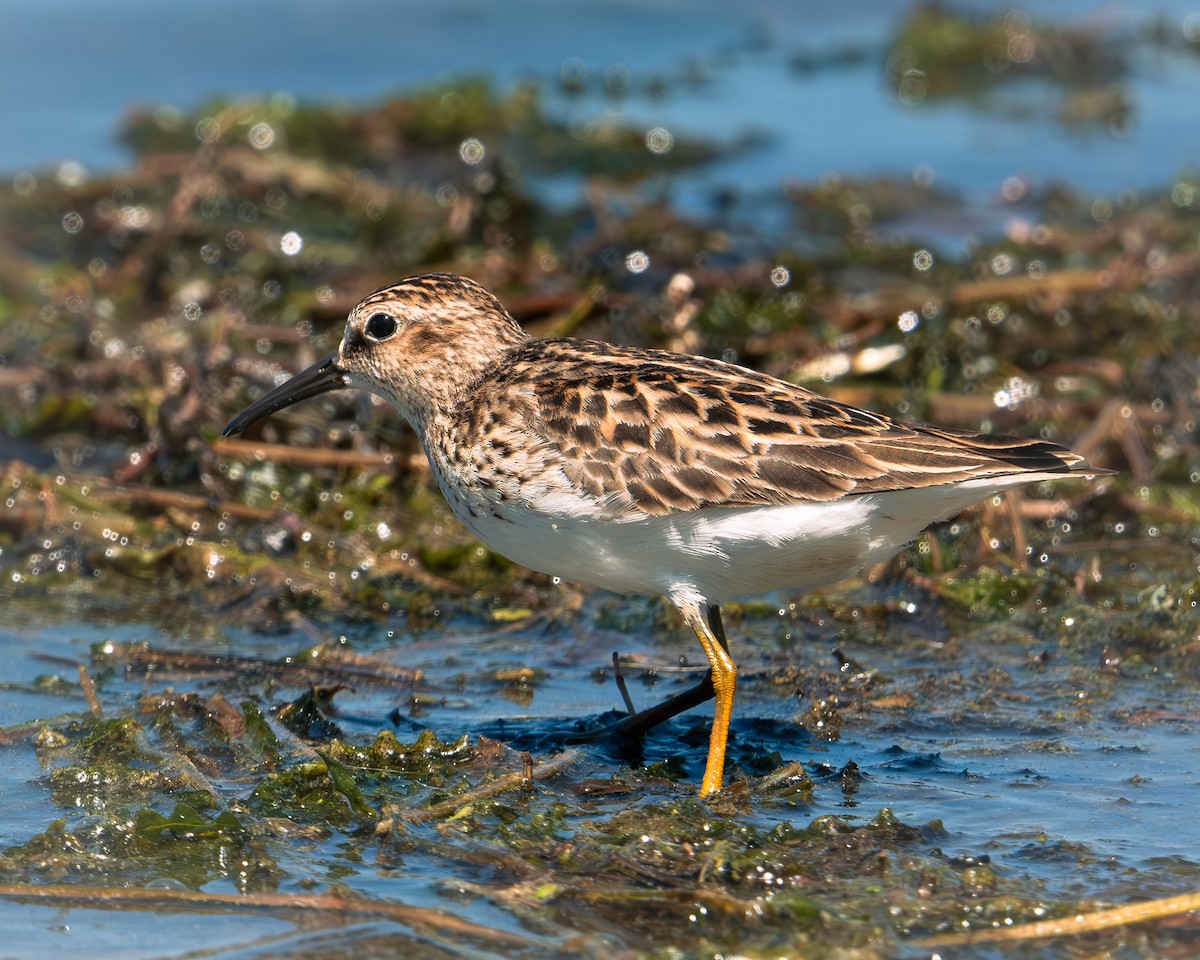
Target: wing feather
x=670, y=433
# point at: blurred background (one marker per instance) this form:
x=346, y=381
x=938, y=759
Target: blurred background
x=274, y=666
x=967, y=95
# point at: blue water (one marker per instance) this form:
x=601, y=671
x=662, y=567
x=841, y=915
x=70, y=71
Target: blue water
x=70, y=69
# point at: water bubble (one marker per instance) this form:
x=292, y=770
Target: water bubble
x=291, y=243
x=72, y=222
x=922, y=260
x=471, y=151
x=1021, y=48
x=659, y=140
x=70, y=174
x=913, y=86
x=617, y=79
x=908, y=321
x=1015, y=392
x=1013, y=189
x=261, y=136
x=637, y=262
x=207, y=130
x=781, y=276
x=574, y=73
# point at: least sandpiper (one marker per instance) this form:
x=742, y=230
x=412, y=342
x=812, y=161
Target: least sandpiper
x=646, y=471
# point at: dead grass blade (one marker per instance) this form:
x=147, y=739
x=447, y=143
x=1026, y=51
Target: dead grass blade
x=1073, y=926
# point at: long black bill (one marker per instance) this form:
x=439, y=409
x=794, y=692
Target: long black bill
x=321, y=377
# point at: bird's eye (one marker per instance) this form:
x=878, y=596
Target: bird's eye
x=379, y=327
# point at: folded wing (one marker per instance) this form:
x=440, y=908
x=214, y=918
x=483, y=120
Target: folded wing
x=671, y=433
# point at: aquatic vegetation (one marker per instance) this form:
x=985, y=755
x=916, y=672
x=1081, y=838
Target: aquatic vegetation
x=304, y=707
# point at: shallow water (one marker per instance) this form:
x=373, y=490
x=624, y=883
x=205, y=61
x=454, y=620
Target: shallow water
x=1054, y=775
x=1033, y=733
x=725, y=74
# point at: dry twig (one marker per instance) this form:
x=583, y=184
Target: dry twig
x=1072, y=926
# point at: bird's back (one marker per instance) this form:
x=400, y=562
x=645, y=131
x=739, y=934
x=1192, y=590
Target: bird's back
x=665, y=433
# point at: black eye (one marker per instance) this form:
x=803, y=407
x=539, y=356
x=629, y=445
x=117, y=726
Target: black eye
x=380, y=326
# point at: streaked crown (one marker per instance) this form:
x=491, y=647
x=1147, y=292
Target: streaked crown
x=424, y=341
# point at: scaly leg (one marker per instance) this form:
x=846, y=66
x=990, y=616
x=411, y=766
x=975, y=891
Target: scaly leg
x=705, y=619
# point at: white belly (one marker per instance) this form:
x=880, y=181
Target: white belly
x=726, y=552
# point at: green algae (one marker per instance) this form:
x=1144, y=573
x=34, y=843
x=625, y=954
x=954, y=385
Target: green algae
x=940, y=52
x=848, y=827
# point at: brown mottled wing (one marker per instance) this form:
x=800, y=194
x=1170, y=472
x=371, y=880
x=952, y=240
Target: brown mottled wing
x=679, y=433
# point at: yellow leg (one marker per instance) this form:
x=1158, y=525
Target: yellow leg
x=706, y=621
